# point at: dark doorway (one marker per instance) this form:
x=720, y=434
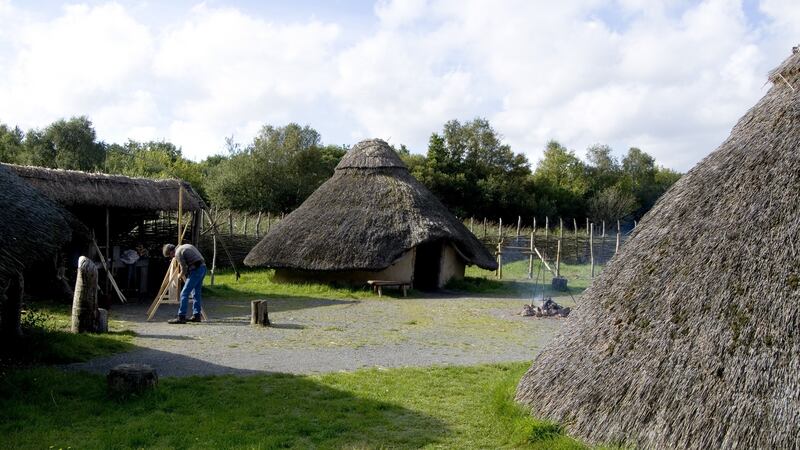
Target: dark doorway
x=426, y=266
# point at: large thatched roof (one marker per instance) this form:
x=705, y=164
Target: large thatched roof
x=691, y=336
x=31, y=226
x=368, y=214
x=75, y=188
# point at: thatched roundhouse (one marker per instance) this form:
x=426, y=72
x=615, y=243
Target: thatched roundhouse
x=371, y=220
x=32, y=228
x=690, y=338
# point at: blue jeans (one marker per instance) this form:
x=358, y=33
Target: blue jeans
x=194, y=282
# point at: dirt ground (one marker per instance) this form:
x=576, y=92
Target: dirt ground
x=318, y=335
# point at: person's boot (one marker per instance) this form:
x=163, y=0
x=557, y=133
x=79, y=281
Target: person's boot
x=178, y=320
x=196, y=318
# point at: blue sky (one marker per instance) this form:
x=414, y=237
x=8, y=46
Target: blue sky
x=668, y=76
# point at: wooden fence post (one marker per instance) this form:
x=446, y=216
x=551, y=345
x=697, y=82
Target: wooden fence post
x=230, y=223
x=269, y=221
x=519, y=224
x=258, y=224
x=259, y=315
x=604, y=228
x=500, y=259
x=616, y=249
x=214, y=254
x=530, y=259
x=546, y=235
x=575, y=229
x=484, y=227
x=558, y=258
x=500, y=229
x=244, y=225
x=471, y=230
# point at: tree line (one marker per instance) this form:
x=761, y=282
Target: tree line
x=467, y=165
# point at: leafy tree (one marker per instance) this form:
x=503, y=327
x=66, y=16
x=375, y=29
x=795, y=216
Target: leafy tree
x=473, y=172
x=154, y=159
x=612, y=204
x=11, y=148
x=277, y=172
x=68, y=144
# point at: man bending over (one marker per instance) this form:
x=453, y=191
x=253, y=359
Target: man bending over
x=193, y=270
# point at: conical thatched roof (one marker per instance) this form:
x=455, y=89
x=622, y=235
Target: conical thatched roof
x=31, y=226
x=368, y=214
x=76, y=188
x=691, y=336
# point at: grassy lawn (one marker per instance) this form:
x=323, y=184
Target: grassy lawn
x=48, y=339
x=452, y=407
x=258, y=283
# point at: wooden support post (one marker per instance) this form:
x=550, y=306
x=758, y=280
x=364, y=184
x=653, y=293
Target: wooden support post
x=108, y=249
x=230, y=223
x=602, y=253
x=244, y=225
x=11, y=307
x=500, y=229
x=84, y=302
x=616, y=249
x=519, y=224
x=258, y=224
x=213, y=255
x=591, y=247
x=604, y=228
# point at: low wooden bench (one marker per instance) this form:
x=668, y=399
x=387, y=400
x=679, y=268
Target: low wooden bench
x=378, y=285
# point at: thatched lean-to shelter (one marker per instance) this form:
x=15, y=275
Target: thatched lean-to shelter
x=690, y=338
x=123, y=212
x=32, y=228
x=371, y=220
x=73, y=188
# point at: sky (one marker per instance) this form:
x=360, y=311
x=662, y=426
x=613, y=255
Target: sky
x=668, y=76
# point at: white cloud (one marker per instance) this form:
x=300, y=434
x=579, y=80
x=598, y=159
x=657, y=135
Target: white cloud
x=72, y=65
x=669, y=77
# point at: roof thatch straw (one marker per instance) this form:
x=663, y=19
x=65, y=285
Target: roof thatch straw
x=690, y=338
x=31, y=226
x=75, y=188
x=365, y=217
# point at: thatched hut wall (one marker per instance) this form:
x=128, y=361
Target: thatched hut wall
x=690, y=336
x=32, y=229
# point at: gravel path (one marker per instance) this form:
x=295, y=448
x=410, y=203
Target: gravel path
x=315, y=335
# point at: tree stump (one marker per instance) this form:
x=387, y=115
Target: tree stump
x=84, y=302
x=258, y=313
x=101, y=321
x=559, y=283
x=126, y=379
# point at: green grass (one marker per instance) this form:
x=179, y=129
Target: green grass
x=515, y=279
x=258, y=283
x=47, y=339
x=451, y=407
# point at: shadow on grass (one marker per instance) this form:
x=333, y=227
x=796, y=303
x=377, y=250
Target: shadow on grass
x=57, y=346
x=45, y=407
